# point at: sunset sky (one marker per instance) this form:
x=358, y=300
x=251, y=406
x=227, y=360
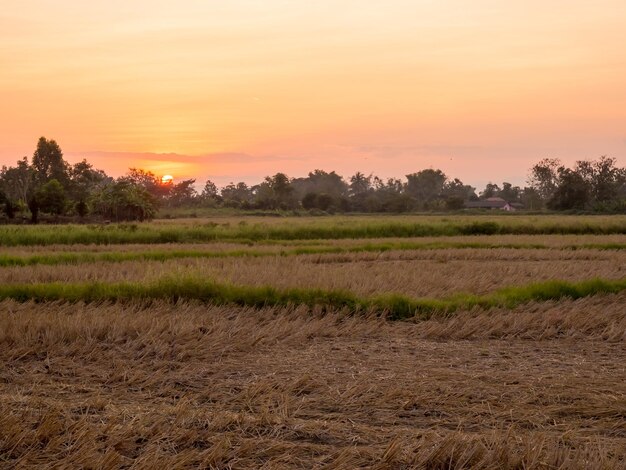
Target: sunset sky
x=236, y=90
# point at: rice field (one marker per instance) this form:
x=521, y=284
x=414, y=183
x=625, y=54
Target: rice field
x=364, y=342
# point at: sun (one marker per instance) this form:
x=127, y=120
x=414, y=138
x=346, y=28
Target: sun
x=167, y=179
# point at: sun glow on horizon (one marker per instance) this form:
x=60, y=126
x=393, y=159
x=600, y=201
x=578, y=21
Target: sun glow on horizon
x=167, y=179
x=242, y=89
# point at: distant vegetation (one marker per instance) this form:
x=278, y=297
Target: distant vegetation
x=47, y=184
x=308, y=229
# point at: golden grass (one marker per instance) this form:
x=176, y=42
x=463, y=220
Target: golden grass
x=191, y=386
x=431, y=273
x=600, y=318
x=185, y=385
x=551, y=241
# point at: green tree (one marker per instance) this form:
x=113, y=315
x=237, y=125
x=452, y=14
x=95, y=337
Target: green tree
x=84, y=179
x=491, y=190
x=17, y=182
x=210, y=194
x=426, y=186
x=48, y=163
x=148, y=181
x=531, y=199
x=276, y=192
x=122, y=200
x=51, y=197
x=320, y=182
x=457, y=189
x=236, y=195
x=544, y=177
x=359, y=185
x=572, y=191
x=183, y=193
x=509, y=192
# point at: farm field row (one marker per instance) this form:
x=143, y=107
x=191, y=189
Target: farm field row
x=564, y=242
x=540, y=386
x=274, y=344
x=309, y=229
x=418, y=273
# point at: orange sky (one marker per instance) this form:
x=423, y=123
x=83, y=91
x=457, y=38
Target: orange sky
x=235, y=90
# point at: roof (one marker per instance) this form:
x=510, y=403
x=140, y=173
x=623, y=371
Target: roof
x=491, y=203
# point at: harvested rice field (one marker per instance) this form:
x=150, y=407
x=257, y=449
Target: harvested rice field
x=414, y=347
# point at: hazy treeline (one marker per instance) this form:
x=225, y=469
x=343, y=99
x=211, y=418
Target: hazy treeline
x=48, y=184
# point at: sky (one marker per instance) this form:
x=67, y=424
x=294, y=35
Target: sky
x=240, y=89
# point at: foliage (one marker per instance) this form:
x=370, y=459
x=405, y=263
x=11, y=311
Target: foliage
x=590, y=185
x=123, y=200
x=48, y=163
x=426, y=186
x=572, y=192
x=51, y=197
x=544, y=177
x=182, y=194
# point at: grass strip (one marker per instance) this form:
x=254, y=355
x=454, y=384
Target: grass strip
x=118, y=257
x=394, y=305
x=150, y=234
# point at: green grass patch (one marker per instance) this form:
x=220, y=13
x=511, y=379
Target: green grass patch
x=394, y=305
x=75, y=258
x=340, y=228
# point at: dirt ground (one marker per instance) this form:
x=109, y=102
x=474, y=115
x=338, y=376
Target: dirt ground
x=190, y=386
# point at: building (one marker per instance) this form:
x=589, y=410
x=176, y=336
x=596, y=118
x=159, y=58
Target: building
x=493, y=203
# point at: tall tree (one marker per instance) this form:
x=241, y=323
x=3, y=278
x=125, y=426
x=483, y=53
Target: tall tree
x=509, y=192
x=123, y=200
x=544, y=177
x=183, y=193
x=360, y=184
x=426, y=186
x=48, y=163
x=236, y=195
x=17, y=181
x=572, y=191
x=84, y=180
x=51, y=197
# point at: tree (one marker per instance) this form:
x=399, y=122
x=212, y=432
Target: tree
x=509, y=192
x=236, y=195
x=16, y=182
x=149, y=181
x=83, y=180
x=572, y=191
x=457, y=189
x=544, y=177
x=320, y=182
x=491, y=190
x=531, y=199
x=183, y=193
x=276, y=192
x=51, y=197
x=48, y=163
x=390, y=196
x=210, y=194
x=359, y=184
x=426, y=186
x=309, y=201
x=123, y=200
x=605, y=179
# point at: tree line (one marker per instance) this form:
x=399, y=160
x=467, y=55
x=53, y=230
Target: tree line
x=48, y=184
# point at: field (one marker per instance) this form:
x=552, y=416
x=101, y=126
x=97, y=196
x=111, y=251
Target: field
x=337, y=342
